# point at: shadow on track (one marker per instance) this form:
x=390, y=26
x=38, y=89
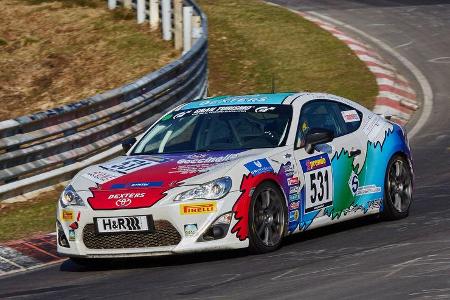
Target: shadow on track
x=203, y=257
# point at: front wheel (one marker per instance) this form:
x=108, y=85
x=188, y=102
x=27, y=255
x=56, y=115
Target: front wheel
x=267, y=219
x=397, y=189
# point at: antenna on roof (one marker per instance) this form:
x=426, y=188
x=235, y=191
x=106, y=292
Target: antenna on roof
x=273, y=83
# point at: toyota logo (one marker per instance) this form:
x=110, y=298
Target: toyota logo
x=123, y=202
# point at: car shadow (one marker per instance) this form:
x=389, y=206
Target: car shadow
x=202, y=257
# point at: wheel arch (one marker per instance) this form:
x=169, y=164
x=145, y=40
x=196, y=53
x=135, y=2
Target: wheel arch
x=285, y=197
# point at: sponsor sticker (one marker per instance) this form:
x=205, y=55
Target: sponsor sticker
x=100, y=176
x=67, y=215
x=264, y=109
x=137, y=185
x=128, y=165
x=293, y=197
x=190, y=229
x=198, y=208
x=353, y=183
x=205, y=159
x=293, y=215
x=127, y=195
x=293, y=181
x=294, y=189
x=288, y=167
x=373, y=127
x=294, y=205
x=221, y=109
x=125, y=199
x=315, y=162
x=350, y=116
x=259, y=166
x=124, y=224
x=71, y=235
x=368, y=189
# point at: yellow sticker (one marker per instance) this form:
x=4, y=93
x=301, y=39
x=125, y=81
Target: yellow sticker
x=67, y=215
x=198, y=208
x=304, y=126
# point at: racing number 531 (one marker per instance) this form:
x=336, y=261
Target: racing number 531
x=324, y=190
x=318, y=189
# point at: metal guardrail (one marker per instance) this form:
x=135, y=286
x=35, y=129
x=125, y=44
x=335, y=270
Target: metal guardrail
x=48, y=147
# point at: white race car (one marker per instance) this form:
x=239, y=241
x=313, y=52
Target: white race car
x=236, y=172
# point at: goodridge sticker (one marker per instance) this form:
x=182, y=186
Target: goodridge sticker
x=198, y=208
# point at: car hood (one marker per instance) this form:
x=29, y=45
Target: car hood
x=169, y=169
x=148, y=178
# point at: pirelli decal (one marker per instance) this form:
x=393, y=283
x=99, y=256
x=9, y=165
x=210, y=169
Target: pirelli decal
x=198, y=208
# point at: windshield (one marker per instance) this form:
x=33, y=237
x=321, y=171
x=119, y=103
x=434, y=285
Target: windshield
x=218, y=128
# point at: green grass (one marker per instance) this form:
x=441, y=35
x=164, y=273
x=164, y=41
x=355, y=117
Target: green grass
x=23, y=219
x=250, y=41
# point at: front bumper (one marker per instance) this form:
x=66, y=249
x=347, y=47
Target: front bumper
x=169, y=236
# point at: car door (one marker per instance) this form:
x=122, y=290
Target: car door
x=327, y=173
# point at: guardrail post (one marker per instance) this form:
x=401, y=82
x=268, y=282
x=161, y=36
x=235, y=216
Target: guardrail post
x=112, y=4
x=140, y=8
x=178, y=20
x=187, y=28
x=196, y=28
x=166, y=20
x=127, y=3
x=154, y=14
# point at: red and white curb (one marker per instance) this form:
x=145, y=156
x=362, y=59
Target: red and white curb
x=31, y=253
x=395, y=97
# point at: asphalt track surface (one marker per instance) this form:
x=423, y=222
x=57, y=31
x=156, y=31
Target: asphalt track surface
x=367, y=258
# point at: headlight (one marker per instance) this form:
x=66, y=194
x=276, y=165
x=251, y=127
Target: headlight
x=212, y=190
x=70, y=197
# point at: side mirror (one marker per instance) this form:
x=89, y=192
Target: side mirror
x=317, y=136
x=128, y=143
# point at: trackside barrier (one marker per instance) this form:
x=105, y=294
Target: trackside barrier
x=45, y=148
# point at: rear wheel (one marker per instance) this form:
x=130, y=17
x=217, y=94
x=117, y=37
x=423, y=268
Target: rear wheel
x=397, y=189
x=267, y=220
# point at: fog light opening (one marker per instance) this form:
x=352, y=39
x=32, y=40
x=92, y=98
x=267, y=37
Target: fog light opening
x=62, y=239
x=218, y=229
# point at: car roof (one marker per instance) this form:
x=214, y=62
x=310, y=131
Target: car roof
x=289, y=98
x=276, y=98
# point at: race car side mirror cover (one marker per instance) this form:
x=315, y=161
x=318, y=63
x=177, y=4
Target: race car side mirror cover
x=317, y=136
x=128, y=143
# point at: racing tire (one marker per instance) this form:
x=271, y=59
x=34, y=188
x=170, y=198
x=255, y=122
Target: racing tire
x=267, y=218
x=398, y=185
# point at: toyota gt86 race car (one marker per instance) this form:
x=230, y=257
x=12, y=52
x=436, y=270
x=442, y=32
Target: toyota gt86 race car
x=235, y=172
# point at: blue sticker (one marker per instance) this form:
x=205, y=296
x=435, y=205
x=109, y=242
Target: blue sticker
x=293, y=215
x=238, y=100
x=146, y=184
x=137, y=185
x=118, y=186
x=259, y=166
x=293, y=197
x=315, y=162
x=71, y=235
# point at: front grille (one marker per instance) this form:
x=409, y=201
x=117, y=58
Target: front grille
x=164, y=235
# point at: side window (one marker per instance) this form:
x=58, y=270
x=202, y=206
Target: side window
x=351, y=117
x=319, y=114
